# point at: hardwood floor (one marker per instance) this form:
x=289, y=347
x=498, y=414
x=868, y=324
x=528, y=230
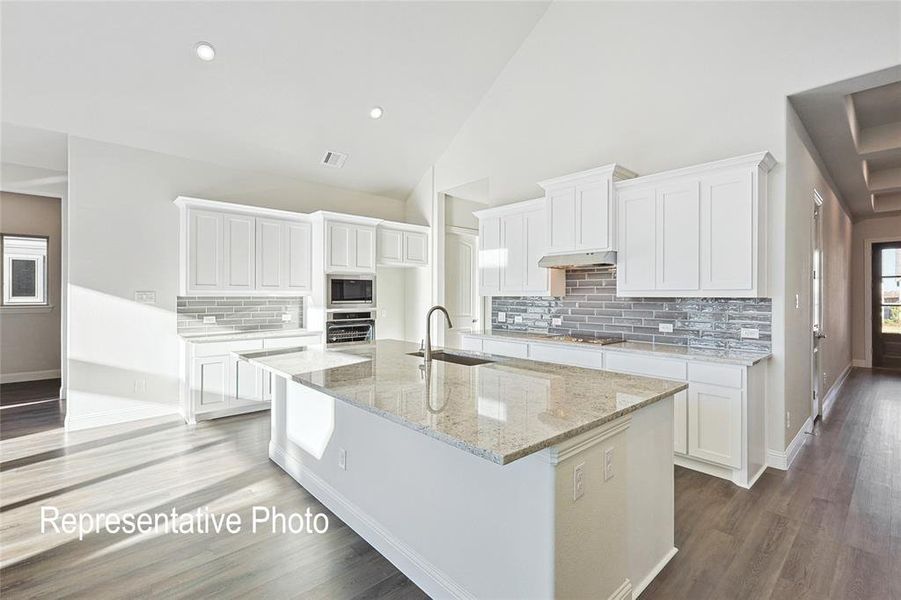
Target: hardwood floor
x=829, y=528
x=29, y=407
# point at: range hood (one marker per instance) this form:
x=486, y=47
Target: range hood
x=577, y=259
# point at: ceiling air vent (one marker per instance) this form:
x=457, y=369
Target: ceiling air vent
x=334, y=159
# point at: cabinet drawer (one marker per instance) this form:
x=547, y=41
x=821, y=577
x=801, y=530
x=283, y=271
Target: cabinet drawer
x=715, y=374
x=575, y=357
x=290, y=342
x=222, y=348
x=514, y=349
x=646, y=365
x=471, y=344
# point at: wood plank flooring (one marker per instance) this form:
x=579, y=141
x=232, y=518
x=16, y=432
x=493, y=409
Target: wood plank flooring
x=829, y=528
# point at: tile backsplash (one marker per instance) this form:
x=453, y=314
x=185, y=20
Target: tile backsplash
x=237, y=313
x=592, y=309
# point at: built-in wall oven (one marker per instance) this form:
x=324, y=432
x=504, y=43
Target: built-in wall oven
x=351, y=291
x=355, y=326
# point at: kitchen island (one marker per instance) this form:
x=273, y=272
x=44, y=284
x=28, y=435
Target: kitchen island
x=503, y=479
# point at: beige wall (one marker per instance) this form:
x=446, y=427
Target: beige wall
x=30, y=341
x=883, y=228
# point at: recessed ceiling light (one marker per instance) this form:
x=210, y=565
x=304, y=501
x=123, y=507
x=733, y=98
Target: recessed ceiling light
x=205, y=51
x=376, y=112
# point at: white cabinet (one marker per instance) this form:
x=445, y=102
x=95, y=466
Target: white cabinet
x=247, y=381
x=704, y=235
x=715, y=424
x=581, y=214
x=402, y=245
x=680, y=422
x=204, y=251
x=512, y=239
x=349, y=247
x=229, y=249
x=208, y=386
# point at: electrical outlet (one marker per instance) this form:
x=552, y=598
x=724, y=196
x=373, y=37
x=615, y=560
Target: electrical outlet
x=383, y=312
x=824, y=378
x=578, y=481
x=556, y=321
x=140, y=386
x=665, y=327
x=517, y=319
x=342, y=459
x=209, y=320
x=750, y=333
x=501, y=317
x=797, y=300
x=286, y=316
x=608, y=464
x=788, y=419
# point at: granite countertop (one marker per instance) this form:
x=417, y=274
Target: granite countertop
x=500, y=411
x=663, y=350
x=205, y=338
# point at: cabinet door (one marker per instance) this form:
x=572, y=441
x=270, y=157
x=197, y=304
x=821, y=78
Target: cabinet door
x=680, y=422
x=416, y=248
x=561, y=215
x=489, y=256
x=678, y=236
x=364, y=249
x=298, y=256
x=270, y=248
x=513, y=245
x=204, y=250
x=239, y=252
x=340, y=246
x=592, y=217
x=636, y=261
x=714, y=424
x=208, y=387
x=535, y=245
x=246, y=382
x=728, y=231
x=390, y=246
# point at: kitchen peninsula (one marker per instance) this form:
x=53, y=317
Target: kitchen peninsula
x=500, y=477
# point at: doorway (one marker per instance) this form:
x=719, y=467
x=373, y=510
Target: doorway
x=816, y=309
x=461, y=292
x=886, y=307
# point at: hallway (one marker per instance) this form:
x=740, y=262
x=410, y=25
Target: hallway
x=829, y=528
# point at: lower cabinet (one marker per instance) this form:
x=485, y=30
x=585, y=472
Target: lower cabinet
x=714, y=424
x=248, y=381
x=209, y=388
x=680, y=422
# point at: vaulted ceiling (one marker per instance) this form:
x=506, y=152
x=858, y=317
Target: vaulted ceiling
x=290, y=81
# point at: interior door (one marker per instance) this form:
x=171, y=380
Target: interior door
x=816, y=313
x=887, y=305
x=461, y=281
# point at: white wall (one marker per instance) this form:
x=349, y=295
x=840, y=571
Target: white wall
x=391, y=299
x=805, y=174
x=880, y=228
x=30, y=341
x=458, y=212
x=123, y=237
x=656, y=86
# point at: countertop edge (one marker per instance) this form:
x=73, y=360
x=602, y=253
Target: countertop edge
x=249, y=335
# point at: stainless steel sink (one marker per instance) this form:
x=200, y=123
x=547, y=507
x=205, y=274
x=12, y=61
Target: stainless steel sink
x=457, y=359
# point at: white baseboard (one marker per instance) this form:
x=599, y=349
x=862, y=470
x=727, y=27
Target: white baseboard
x=784, y=460
x=832, y=394
x=623, y=592
x=859, y=362
x=427, y=576
x=644, y=583
x=29, y=376
x=78, y=422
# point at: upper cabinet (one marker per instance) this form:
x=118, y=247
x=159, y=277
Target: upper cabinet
x=695, y=232
x=349, y=247
x=235, y=249
x=581, y=213
x=402, y=245
x=512, y=239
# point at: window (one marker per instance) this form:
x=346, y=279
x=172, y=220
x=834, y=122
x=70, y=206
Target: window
x=890, y=298
x=24, y=270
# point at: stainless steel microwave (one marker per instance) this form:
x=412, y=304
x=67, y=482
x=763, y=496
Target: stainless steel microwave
x=351, y=291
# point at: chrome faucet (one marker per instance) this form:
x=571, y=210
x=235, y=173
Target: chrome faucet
x=427, y=348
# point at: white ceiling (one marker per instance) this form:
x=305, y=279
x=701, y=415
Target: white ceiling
x=290, y=80
x=856, y=127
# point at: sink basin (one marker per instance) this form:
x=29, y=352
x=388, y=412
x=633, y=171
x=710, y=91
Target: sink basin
x=458, y=359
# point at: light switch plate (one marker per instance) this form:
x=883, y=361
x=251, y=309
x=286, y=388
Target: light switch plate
x=665, y=327
x=501, y=317
x=286, y=316
x=556, y=321
x=145, y=296
x=750, y=333
x=342, y=459
x=209, y=320
x=517, y=319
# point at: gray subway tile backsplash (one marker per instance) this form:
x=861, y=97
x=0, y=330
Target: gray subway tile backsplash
x=235, y=314
x=592, y=309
